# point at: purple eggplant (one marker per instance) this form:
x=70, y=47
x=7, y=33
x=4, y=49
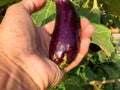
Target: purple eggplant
x=65, y=38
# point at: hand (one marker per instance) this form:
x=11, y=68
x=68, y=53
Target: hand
x=24, y=48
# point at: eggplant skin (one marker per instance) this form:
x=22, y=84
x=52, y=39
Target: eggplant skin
x=65, y=38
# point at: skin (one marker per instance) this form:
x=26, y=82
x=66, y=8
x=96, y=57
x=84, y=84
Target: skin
x=24, y=61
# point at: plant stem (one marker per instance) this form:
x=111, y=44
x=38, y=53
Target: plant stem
x=95, y=4
x=103, y=82
x=85, y=5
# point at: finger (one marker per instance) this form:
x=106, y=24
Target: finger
x=24, y=6
x=49, y=27
x=85, y=39
x=33, y=5
x=18, y=15
x=84, y=23
x=86, y=28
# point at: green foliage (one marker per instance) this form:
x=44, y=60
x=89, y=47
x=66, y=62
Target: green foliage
x=45, y=15
x=100, y=69
x=7, y=2
x=4, y=4
x=115, y=6
x=101, y=37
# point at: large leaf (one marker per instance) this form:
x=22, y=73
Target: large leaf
x=45, y=15
x=102, y=37
x=102, y=34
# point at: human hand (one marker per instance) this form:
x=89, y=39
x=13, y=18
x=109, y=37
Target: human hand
x=24, y=47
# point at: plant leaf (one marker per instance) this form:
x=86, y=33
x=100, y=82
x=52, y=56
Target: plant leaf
x=3, y=2
x=45, y=15
x=102, y=37
x=111, y=72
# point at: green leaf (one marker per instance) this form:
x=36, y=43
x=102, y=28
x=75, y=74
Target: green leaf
x=69, y=87
x=112, y=74
x=116, y=21
x=109, y=87
x=102, y=37
x=100, y=74
x=3, y=2
x=86, y=73
x=117, y=60
x=89, y=74
x=45, y=15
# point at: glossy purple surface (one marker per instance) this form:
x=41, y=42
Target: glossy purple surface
x=64, y=42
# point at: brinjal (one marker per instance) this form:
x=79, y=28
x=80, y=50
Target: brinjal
x=65, y=37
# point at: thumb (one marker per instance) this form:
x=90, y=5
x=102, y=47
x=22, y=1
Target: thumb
x=33, y=5
x=16, y=12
